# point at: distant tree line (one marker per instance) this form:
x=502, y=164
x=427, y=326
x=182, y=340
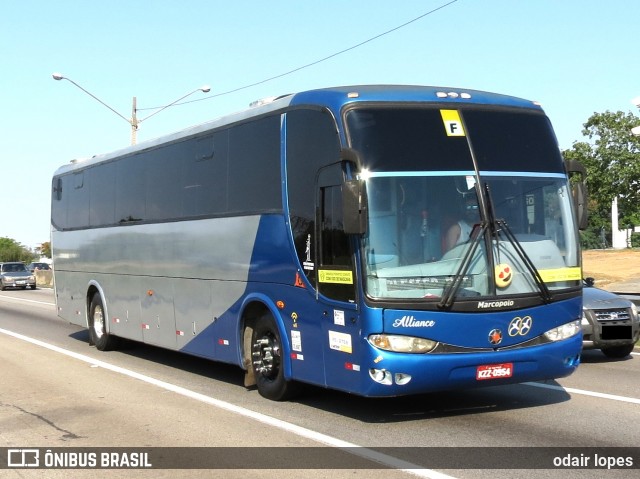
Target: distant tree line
x=611, y=155
x=11, y=250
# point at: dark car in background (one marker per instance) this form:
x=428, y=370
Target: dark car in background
x=40, y=266
x=609, y=322
x=16, y=275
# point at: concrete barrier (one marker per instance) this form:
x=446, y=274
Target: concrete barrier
x=44, y=278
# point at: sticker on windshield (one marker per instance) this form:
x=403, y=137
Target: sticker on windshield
x=561, y=274
x=335, y=276
x=452, y=122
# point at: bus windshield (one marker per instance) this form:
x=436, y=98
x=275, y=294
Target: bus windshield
x=476, y=197
x=422, y=227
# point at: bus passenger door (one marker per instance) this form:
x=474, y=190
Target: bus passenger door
x=336, y=283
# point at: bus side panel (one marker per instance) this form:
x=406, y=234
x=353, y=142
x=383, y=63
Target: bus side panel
x=158, y=321
x=123, y=305
x=269, y=263
x=70, y=297
x=142, y=269
x=207, y=320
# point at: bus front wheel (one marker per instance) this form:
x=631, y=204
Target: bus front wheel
x=268, y=362
x=98, y=334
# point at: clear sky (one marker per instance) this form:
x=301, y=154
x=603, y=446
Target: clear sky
x=576, y=57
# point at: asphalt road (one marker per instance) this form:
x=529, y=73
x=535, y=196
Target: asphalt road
x=56, y=391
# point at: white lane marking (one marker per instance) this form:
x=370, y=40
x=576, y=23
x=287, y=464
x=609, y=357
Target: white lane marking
x=586, y=393
x=12, y=298
x=263, y=418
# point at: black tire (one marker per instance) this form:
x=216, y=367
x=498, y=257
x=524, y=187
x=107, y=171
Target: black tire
x=268, y=363
x=98, y=334
x=33, y=287
x=618, y=352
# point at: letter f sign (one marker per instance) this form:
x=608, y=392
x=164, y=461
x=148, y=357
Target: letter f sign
x=452, y=123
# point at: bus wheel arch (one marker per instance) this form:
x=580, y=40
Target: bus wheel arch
x=97, y=321
x=264, y=354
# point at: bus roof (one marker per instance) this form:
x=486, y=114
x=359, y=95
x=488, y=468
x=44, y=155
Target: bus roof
x=334, y=98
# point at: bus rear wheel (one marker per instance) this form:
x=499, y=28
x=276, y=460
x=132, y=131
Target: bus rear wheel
x=98, y=334
x=268, y=362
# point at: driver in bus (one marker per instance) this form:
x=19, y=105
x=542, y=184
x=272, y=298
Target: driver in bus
x=459, y=232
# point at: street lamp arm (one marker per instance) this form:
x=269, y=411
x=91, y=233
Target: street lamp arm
x=204, y=89
x=57, y=76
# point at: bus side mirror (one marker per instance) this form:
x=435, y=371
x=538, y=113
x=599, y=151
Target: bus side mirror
x=578, y=174
x=354, y=207
x=580, y=204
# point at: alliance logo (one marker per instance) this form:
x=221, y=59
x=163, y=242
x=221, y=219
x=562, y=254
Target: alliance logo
x=411, y=322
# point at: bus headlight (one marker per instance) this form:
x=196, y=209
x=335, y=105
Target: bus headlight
x=402, y=344
x=563, y=332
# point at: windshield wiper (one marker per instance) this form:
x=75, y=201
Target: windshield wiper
x=498, y=225
x=450, y=293
x=545, y=294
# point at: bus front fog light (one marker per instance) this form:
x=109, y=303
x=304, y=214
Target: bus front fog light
x=381, y=376
x=402, y=378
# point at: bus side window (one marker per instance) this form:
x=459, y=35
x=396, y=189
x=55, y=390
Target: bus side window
x=336, y=275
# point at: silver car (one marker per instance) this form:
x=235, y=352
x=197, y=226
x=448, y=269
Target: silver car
x=16, y=275
x=609, y=322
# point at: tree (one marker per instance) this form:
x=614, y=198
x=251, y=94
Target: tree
x=11, y=250
x=612, y=160
x=45, y=249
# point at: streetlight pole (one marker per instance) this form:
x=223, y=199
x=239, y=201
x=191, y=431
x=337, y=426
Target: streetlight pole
x=133, y=121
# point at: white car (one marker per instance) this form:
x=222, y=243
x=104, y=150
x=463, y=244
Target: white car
x=609, y=322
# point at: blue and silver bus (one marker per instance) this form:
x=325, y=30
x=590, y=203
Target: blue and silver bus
x=379, y=240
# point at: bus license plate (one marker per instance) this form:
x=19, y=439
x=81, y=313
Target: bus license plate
x=494, y=371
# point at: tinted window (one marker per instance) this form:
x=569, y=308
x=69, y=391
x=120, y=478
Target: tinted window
x=130, y=189
x=78, y=206
x=59, y=199
x=415, y=139
x=164, y=182
x=230, y=171
x=254, y=166
x=406, y=139
x=102, y=193
x=513, y=141
x=336, y=273
x=312, y=142
x=205, y=176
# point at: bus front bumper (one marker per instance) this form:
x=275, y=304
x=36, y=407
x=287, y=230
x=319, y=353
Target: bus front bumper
x=395, y=374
